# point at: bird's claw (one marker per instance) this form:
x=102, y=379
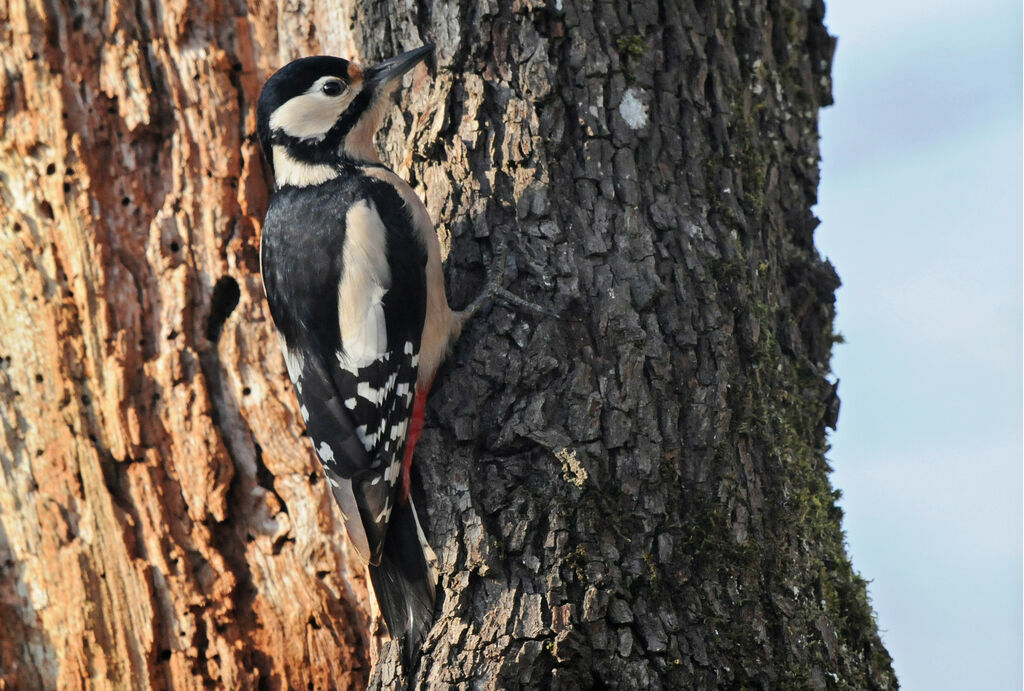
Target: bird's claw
x=495, y=289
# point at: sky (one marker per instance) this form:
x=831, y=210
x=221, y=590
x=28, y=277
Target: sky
x=920, y=202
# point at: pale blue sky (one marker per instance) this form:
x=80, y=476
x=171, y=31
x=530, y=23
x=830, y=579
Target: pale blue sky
x=921, y=208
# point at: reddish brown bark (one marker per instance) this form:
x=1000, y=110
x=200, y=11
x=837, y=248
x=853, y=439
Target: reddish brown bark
x=162, y=520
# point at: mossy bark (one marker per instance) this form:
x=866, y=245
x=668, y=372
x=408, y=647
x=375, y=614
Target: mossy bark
x=633, y=494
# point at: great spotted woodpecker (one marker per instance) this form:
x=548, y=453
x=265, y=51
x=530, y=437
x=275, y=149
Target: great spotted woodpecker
x=352, y=271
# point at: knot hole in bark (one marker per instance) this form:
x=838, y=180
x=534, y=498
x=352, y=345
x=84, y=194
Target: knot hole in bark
x=222, y=304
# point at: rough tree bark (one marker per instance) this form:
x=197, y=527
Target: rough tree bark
x=633, y=495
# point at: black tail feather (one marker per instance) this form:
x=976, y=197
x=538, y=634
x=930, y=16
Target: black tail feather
x=404, y=582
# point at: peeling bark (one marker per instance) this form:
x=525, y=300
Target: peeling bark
x=634, y=495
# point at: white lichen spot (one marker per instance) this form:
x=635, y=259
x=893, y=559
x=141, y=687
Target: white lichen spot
x=572, y=470
x=633, y=110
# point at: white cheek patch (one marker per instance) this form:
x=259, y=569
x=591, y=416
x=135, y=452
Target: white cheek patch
x=312, y=114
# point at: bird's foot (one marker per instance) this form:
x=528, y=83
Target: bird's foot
x=495, y=290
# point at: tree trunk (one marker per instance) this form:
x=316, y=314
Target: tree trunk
x=163, y=523
x=633, y=494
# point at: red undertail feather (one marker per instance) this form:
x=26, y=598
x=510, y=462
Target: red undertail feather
x=415, y=429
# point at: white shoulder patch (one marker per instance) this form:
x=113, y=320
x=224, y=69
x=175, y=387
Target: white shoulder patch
x=364, y=280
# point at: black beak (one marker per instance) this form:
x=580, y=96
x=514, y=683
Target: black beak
x=393, y=68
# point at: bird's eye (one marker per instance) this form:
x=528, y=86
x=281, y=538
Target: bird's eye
x=333, y=88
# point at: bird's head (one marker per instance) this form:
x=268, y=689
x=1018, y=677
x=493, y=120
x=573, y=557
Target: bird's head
x=317, y=111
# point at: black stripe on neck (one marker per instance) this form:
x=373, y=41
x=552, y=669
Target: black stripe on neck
x=328, y=149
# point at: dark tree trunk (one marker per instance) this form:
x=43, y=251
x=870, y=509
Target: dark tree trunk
x=636, y=494
x=632, y=495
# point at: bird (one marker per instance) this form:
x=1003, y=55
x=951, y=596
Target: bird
x=351, y=268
